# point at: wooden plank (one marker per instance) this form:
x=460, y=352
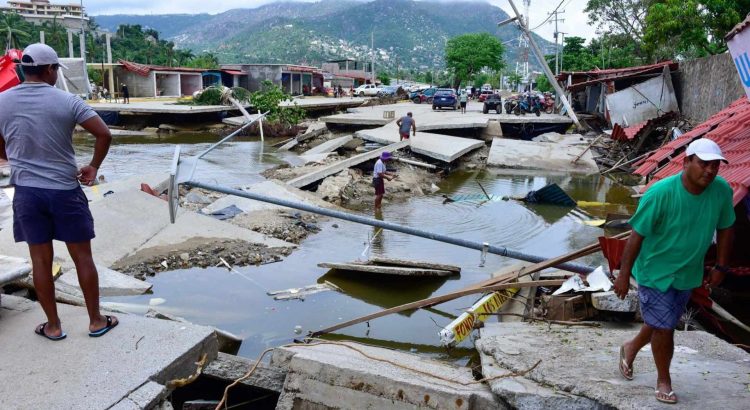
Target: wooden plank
x=434, y=301
x=413, y=264
x=386, y=270
x=339, y=166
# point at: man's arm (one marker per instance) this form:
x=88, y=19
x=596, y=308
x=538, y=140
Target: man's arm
x=724, y=239
x=413, y=127
x=3, y=155
x=398, y=122
x=632, y=249
x=103, y=136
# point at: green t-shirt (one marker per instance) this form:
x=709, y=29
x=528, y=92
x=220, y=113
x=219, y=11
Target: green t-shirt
x=677, y=229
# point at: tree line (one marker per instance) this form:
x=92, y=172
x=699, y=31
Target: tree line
x=130, y=42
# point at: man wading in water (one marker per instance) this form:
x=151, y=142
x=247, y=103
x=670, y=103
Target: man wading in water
x=36, y=136
x=672, y=230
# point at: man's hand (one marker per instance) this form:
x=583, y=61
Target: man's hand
x=87, y=175
x=715, y=278
x=622, y=284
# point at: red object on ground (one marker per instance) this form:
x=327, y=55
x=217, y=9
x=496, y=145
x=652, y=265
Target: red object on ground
x=8, y=76
x=613, y=248
x=730, y=128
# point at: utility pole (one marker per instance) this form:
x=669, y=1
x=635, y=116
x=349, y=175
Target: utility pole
x=372, y=55
x=545, y=67
x=556, y=34
x=562, y=50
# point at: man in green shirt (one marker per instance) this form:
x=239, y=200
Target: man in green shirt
x=672, y=230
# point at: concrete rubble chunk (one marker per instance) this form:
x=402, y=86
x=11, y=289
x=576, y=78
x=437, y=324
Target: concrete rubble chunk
x=329, y=146
x=12, y=269
x=111, y=283
x=335, y=376
x=144, y=397
x=578, y=368
x=229, y=368
x=441, y=147
x=336, y=167
x=610, y=302
x=558, y=156
x=315, y=129
x=130, y=364
x=270, y=188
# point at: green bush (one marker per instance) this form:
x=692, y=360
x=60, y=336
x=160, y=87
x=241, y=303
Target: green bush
x=268, y=99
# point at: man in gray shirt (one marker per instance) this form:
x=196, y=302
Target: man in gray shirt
x=404, y=124
x=36, y=137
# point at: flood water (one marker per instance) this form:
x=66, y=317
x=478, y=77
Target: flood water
x=238, y=302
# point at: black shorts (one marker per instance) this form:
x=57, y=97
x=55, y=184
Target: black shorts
x=463, y=104
x=41, y=215
x=379, y=185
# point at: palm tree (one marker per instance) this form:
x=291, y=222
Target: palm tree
x=12, y=25
x=57, y=38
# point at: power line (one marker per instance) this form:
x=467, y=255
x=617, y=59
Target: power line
x=548, y=16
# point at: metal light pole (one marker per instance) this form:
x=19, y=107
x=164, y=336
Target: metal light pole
x=545, y=67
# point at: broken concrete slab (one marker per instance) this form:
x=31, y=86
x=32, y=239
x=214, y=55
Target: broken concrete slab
x=329, y=146
x=239, y=121
x=319, y=158
x=610, y=302
x=315, y=129
x=229, y=368
x=578, y=368
x=271, y=188
x=386, y=270
x=111, y=283
x=519, y=154
x=13, y=269
x=339, y=166
x=441, y=147
x=379, y=260
x=157, y=181
x=337, y=375
x=138, y=352
x=144, y=397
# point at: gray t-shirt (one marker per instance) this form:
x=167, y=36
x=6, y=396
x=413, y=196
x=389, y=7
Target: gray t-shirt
x=406, y=122
x=37, y=122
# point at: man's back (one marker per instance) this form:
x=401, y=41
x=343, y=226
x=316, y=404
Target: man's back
x=37, y=122
x=406, y=123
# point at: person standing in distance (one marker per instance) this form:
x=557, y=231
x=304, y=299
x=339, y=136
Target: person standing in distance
x=404, y=124
x=36, y=136
x=125, y=94
x=673, y=228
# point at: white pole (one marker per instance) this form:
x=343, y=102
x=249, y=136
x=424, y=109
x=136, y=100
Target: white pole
x=260, y=124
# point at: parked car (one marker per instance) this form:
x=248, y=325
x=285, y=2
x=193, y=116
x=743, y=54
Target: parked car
x=424, y=96
x=484, y=94
x=445, y=97
x=390, y=90
x=493, y=102
x=369, y=90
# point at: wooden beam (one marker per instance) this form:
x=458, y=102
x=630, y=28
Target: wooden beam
x=436, y=300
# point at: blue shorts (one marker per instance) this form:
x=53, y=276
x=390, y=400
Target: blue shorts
x=41, y=215
x=662, y=310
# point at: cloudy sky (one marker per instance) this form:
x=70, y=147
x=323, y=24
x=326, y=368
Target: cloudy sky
x=574, y=24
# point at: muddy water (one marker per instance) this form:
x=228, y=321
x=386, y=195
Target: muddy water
x=239, y=304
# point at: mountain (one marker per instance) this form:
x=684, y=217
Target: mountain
x=407, y=34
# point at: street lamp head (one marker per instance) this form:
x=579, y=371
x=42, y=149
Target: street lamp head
x=504, y=22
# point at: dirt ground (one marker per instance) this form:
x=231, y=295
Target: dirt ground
x=198, y=252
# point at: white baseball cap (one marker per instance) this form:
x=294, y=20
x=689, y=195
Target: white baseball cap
x=40, y=54
x=706, y=150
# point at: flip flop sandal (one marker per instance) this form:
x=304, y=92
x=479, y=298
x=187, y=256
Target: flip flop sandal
x=671, y=400
x=625, y=370
x=40, y=331
x=101, y=332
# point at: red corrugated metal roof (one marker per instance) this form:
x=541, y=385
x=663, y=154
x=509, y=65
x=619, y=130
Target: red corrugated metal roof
x=730, y=128
x=234, y=72
x=145, y=69
x=618, y=72
x=627, y=134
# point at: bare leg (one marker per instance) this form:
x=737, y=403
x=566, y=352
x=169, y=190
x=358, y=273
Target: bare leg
x=41, y=261
x=378, y=200
x=662, y=345
x=88, y=278
x=632, y=347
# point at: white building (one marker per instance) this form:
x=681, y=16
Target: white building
x=38, y=11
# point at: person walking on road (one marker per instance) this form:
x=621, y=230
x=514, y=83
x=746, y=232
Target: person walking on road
x=673, y=228
x=380, y=173
x=36, y=137
x=125, y=94
x=463, y=99
x=404, y=124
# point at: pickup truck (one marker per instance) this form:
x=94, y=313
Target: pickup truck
x=369, y=90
